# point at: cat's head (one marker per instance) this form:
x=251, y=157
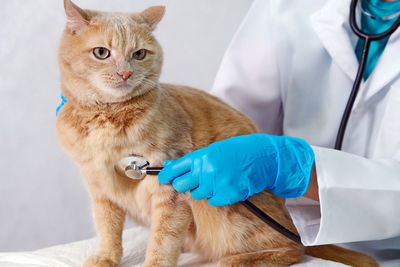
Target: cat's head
x=109, y=57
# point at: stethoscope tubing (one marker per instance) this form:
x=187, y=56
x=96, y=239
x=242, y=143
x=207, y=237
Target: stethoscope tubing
x=368, y=38
x=270, y=221
x=249, y=206
x=363, y=35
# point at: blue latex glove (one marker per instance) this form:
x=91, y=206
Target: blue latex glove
x=234, y=169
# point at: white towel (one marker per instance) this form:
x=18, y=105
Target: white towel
x=134, y=243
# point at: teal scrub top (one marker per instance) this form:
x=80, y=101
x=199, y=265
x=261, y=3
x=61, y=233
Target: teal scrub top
x=375, y=25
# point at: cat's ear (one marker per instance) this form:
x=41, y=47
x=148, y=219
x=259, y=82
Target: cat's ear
x=77, y=19
x=153, y=15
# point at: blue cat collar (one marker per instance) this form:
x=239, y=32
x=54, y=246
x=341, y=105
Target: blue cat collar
x=63, y=101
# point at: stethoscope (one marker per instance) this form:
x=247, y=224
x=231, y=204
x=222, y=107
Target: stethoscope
x=136, y=167
x=368, y=38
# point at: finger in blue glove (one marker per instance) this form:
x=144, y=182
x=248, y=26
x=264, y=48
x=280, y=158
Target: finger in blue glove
x=234, y=169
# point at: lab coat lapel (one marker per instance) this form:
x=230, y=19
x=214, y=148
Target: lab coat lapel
x=387, y=68
x=332, y=27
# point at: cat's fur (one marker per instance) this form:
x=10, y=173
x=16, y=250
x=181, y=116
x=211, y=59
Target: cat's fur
x=106, y=119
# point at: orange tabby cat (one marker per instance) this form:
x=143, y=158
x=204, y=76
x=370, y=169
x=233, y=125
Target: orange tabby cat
x=110, y=64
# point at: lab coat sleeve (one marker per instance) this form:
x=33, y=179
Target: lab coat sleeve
x=359, y=200
x=249, y=76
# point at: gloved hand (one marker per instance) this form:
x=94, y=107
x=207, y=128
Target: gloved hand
x=234, y=169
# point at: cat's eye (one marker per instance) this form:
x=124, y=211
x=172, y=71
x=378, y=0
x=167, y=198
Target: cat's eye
x=101, y=53
x=140, y=54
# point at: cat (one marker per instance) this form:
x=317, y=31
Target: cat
x=110, y=65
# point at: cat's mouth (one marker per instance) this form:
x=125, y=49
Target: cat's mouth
x=123, y=85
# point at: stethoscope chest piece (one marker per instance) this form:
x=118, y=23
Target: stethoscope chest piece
x=131, y=167
x=135, y=167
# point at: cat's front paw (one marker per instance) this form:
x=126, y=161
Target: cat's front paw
x=98, y=261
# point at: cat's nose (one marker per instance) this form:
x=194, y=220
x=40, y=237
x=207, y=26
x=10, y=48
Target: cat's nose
x=125, y=74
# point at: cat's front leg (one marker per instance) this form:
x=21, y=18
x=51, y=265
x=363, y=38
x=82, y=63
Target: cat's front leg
x=109, y=220
x=170, y=221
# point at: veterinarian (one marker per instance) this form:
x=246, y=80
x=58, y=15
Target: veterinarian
x=290, y=67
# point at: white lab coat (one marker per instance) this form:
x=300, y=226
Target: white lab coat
x=290, y=67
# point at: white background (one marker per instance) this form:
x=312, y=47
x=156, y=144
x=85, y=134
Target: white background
x=42, y=199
